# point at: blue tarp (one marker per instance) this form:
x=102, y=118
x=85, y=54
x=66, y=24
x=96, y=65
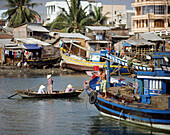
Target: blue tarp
x=32, y=46
x=126, y=44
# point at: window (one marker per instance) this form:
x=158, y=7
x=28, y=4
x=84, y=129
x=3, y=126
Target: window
x=159, y=23
x=158, y=9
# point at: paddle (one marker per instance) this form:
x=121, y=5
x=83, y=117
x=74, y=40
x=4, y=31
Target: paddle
x=12, y=95
x=27, y=89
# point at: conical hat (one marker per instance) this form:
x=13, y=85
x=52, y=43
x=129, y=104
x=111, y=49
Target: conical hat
x=70, y=86
x=48, y=76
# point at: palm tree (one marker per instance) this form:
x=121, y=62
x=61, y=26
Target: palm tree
x=97, y=17
x=19, y=12
x=73, y=21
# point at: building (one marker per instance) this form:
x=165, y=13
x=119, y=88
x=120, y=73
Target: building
x=76, y=42
x=53, y=9
x=151, y=16
x=124, y=18
x=112, y=9
x=28, y=30
x=2, y=18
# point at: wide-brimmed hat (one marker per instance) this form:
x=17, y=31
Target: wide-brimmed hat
x=70, y=86
x=48, y=76
x=42, y=87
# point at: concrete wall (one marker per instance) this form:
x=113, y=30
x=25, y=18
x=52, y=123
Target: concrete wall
x=20, y=32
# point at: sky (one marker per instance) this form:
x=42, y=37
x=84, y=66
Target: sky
x=42, y=9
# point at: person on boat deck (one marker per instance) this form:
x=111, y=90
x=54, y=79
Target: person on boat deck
x=135, y=80
x=69, y=88
x=50, y=84
x=41, y=89
x=103, y=83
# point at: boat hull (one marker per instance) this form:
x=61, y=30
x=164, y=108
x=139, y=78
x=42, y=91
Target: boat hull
x=148, y=117
x=43, y=62
x=58, y=94
x=81, y=65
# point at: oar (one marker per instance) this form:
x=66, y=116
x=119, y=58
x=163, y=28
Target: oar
x=27, y=89
x=12, y=95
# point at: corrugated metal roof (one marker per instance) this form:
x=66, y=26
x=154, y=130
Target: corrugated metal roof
x=150, y=36
x=32, y=41
x=73, y=35
x=99, y=41
x=98, y=27
x=6, y=41
x=37, y=28
x=139, y=42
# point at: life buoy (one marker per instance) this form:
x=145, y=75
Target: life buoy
x=92, y=97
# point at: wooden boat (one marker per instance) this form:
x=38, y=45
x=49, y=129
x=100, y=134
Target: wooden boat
x=149, y=105
x=56, y=94
x=85, y=65
x=43, y=62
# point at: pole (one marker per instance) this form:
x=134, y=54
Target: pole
x=148, y=24
x=112, y=12
x=108, y=73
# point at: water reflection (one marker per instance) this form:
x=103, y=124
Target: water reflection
x=109, y=126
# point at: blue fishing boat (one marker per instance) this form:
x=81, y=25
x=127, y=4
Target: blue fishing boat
x=148, y=104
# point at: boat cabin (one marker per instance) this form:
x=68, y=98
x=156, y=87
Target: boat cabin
x=161, y=58
x=154, y=86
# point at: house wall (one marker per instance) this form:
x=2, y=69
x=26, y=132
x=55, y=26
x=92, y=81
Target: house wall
x=151, y=16
x=112, y=9
x=20, y=32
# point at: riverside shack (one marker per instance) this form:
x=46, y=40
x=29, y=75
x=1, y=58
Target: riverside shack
x=75, y=42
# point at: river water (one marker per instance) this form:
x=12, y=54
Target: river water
x=56, y=116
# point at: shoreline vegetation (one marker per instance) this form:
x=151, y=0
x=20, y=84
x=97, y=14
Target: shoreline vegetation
x=14, y=70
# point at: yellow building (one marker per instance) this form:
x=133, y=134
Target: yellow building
x=151, y=16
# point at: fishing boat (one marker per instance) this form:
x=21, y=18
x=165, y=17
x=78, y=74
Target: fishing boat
x=56, y=94
x=43, y=62
x=147, y=105
x=80, y=64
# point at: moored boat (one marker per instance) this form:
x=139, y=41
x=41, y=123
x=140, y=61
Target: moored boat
x=80, y=64
x=148, y=105
x=56, y=94
x=43, y=62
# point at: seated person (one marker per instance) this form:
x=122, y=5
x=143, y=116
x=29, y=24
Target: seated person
x=41, y=89
x=69, y=88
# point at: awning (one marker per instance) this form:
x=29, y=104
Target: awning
x=32, y=47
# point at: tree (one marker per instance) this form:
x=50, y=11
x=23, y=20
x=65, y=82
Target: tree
x=97, y=17
x=19, y=12
x=73, y=21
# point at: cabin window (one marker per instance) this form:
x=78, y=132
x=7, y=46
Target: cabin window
x=155, y=85
x=142, y=91
x=145, y=84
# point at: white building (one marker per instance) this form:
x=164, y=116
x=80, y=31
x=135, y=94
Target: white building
x=124, y=18
x=53, y=9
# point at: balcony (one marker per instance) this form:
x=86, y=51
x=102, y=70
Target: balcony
x=149, y=2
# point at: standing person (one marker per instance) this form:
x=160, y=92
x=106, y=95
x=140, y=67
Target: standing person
x=50, y=84
x=103, y=83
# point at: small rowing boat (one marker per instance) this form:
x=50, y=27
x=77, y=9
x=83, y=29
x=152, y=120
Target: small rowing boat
x=56, y=94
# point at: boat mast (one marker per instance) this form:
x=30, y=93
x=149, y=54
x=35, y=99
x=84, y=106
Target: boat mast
x=108, y=71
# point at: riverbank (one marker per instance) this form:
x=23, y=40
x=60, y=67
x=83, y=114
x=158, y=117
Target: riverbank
x=13, y=70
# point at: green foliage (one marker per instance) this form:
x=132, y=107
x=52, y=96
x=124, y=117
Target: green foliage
x=76, y=19
x=73, y=21
x=19, y=12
